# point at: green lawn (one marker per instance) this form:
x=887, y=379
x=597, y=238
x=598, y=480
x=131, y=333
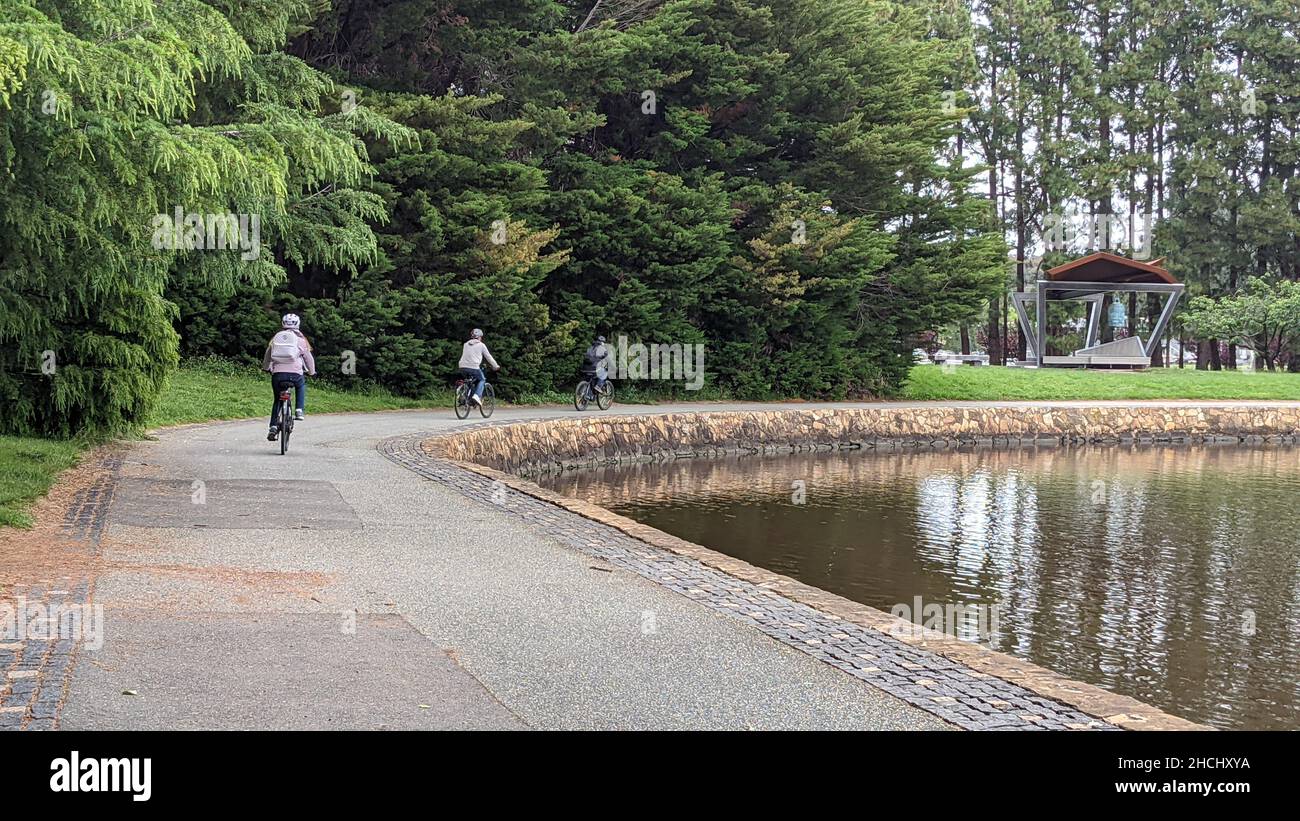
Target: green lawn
x=975, y=383
x=27, y=469
x=206, y=391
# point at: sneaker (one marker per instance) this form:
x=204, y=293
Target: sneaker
x=298, y=414
x=475, y=400
x=271, y=434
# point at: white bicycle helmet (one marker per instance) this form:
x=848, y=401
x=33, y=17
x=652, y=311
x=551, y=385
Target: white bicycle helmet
x=476, y=334
x=290, y=321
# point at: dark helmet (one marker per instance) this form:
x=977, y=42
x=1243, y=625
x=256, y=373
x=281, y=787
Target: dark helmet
x=600, y=340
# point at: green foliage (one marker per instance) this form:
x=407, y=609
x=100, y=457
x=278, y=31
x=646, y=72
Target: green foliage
x=1186, y=110
x=1263, y=315
x=646, y=171
x=764, y=178
x=115, y=115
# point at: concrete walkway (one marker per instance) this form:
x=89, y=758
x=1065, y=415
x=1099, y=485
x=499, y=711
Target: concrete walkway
x=332, y=588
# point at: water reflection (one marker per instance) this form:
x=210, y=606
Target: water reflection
x=1169, y=574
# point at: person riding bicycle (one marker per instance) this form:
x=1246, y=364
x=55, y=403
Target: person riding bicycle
x=287, y=356
x=471, y=363
x=594, y=363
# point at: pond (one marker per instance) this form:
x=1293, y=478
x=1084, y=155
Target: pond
x=1170, y=574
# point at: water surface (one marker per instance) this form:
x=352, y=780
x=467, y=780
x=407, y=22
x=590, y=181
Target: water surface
x=1170, y=574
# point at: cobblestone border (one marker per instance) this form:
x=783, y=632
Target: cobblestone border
x=34, y=672
x=969, y=686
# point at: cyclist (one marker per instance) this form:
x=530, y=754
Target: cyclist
x=287, y=356
x=593, y=363
x=471, y=363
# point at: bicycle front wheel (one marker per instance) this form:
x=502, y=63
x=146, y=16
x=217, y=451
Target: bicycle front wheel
x=580, y=397
x=489, y=401
x=461, y=403
x=605, y=396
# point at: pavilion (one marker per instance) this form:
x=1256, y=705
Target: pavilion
x=1089, y=279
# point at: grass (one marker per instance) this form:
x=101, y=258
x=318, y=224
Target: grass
x=984, y=383
x=28, y=467
x=209, y=390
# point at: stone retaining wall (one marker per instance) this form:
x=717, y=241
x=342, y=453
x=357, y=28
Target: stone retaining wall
x=525, y=448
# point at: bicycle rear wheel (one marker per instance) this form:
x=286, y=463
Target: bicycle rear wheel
x=580, y=396
x=489, y=401
x=605, y=396
x=286, y=426
x=461, y=403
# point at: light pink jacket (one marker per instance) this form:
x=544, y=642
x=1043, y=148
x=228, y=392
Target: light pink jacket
x=304, y=358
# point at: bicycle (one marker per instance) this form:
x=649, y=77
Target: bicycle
x=465, y=389
x=584, y=393
x=284, y=412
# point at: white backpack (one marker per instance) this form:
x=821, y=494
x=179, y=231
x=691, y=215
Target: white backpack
x=284, y=348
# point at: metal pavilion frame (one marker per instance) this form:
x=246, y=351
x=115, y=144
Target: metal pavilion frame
x=1093, y=293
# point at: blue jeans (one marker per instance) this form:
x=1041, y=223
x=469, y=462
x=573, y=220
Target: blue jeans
x=281, y=381
x=480, y=379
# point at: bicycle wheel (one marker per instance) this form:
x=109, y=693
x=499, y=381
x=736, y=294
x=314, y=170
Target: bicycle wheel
x=605, y=396
x=286, y=427
x=461, y=403
x=489, y=401
x=580, y=396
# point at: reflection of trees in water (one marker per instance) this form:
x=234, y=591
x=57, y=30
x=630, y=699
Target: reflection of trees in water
x=1128, y=567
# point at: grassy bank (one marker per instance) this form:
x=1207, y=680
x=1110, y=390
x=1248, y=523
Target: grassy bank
x=990, y=384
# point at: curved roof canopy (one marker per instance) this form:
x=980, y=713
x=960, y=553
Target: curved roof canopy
x=1105, y=267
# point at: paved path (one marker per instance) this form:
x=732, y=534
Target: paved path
x=335, y=589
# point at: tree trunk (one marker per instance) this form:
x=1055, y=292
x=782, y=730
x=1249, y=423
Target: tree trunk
x=1020, y=210
x=965, y=339
x=994, y=332
x=995, y=171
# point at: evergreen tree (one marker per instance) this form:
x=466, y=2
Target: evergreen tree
x=113, y=118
